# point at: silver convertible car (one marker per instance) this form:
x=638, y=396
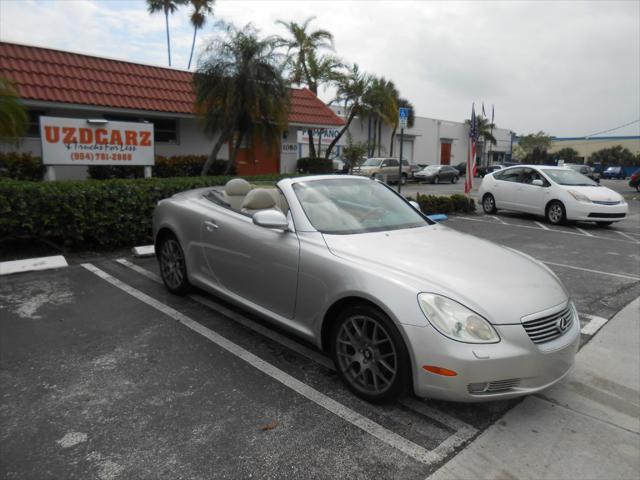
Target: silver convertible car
x=400, y=302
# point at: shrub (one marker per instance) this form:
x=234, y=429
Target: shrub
x=102, y=214
x=21, y=166
x=430, y=204
x=315, y=165
x=165, y=167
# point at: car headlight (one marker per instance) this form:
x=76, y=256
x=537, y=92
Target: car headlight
x=579, y=196
x=456, y=321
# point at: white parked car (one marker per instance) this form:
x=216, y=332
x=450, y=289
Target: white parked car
x=557, y=193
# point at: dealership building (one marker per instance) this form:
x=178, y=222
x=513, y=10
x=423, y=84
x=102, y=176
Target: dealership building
x=95, y=90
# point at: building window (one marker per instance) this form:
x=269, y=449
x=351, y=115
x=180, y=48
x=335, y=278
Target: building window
x=165, y=130
x=33, y=128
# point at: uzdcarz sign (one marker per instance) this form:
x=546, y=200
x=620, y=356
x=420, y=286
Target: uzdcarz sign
x=74, y=141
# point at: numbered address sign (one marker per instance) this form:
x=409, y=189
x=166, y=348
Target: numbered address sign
x=75, y=141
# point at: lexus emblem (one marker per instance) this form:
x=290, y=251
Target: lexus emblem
x=563, y=323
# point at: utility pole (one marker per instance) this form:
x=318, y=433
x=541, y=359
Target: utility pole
x=404, y=116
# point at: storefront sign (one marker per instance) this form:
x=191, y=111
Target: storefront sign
x=75, y=141
x=328, y=135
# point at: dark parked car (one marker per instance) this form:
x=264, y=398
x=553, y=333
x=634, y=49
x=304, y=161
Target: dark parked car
x=634, y=181
x=585, y=170
x=482, y=171
x=462, y=168
x=437, y=174
x=614, y=172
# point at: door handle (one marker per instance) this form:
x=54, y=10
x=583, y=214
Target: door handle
x=210, y=226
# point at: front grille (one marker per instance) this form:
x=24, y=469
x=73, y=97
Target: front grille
x=545, y=329
x=602, y=202
x=493, y=387
x=607, y=215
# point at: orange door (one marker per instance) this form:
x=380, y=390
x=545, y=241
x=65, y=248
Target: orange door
x=445, y=153
x=258, y=160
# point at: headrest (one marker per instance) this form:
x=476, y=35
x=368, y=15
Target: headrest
x=237, y=186
x=258, y=199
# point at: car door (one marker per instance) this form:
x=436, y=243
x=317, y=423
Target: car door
x=258, y=264
x=391, y=169
x=505, y=188
x=532, y=198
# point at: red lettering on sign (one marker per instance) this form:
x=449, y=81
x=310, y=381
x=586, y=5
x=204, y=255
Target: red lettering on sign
x=145, y=139
x=69, y=135
x=86, y=135
x=116, y=138
x=130, y=137
x=100, y=136
x=52, y=134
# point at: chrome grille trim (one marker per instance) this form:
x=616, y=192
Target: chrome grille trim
x=545, y=329
x=603, y=202
x=494, y=387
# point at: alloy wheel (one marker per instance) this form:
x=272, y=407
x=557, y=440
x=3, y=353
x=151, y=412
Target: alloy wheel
x=366, y=354
x=555, y=213
x=489, y=204
x=172, y=264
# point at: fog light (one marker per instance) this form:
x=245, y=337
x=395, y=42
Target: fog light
x=439, y=370
x=478, y=387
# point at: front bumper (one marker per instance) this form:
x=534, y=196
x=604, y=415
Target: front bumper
x=593, y=212
x=515, y=365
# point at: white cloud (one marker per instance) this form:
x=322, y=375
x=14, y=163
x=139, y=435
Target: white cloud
x=566, y=67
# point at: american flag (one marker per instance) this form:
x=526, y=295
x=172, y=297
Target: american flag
x=471, y=152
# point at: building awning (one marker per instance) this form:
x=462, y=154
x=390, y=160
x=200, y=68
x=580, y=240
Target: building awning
x=47, y=76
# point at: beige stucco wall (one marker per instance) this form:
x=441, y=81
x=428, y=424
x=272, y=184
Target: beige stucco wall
x=586, y=147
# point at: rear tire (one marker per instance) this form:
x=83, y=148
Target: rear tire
x=556, y=213
x=403, y=179
x=489, y=204
x=603, y=224
x=173, y=265
x=436, y=179
x=369, y=354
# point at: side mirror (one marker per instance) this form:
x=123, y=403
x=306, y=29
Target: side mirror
x=538, y=183
x=271, y=219
x=438, y=217
x=415, y=205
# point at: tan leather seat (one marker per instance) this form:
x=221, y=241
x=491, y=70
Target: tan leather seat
x=258, y=199
x=235, y=192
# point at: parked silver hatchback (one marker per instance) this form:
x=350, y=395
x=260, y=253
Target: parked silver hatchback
x=400, y=302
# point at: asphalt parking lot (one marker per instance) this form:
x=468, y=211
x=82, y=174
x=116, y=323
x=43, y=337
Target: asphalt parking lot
x=106, y=375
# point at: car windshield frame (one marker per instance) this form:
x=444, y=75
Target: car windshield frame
x=348, y=206
x=568, y=177
x=372, y=162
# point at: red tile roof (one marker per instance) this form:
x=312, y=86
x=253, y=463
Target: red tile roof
x=56, y=76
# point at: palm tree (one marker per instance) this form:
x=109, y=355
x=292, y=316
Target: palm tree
x=201, y=8
x=402, y=103
x=240, y=91
x=301, y=46
x=13, y=116
x=166, y=6
x=485, y=132
x=382, y=98
x=352, y=89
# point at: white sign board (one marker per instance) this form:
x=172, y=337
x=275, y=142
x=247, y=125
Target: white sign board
x=75, y=141
x=328, y=134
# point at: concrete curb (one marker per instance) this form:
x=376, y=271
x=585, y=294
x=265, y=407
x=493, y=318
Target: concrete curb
x=32, y=264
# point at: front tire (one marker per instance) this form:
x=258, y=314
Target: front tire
x=454, y=180
x=403, y=179
x=436, y=179
x=369, y=354
x=556, y=213
x=489, y=204
x=173, y=266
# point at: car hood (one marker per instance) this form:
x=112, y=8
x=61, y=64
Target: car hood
x=599, y=194
x=501, y=284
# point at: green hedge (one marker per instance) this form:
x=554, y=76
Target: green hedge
x=309, y=165
x=21, y=166
x=430, y=204
x=165, y=167
x=96, y=214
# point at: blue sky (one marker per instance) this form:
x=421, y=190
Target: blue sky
x=570, y=68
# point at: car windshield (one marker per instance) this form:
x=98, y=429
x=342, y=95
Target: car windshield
x=372, y=162
x=348, y=206
x=569, y=177
x=574, y=167
x=613, y=169
x=432, y=168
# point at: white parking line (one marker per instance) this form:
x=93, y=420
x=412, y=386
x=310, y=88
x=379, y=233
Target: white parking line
x=498, y=219
x=265, y=332
x=595, y=324
x=635, y=240
x=584, y=232
x=620, y=275
x=392, y=439
x=542, y=226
